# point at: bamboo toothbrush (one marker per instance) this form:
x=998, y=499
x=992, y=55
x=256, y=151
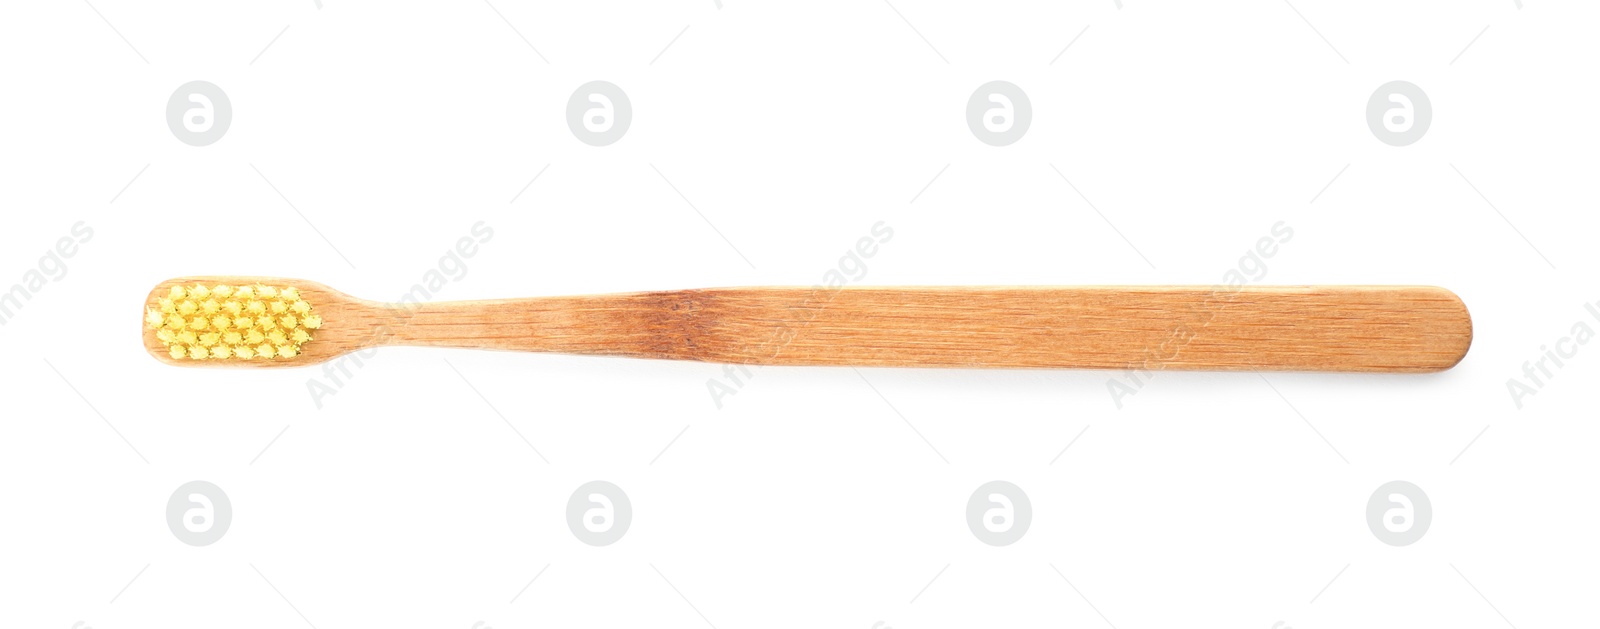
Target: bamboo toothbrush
x=275, y=322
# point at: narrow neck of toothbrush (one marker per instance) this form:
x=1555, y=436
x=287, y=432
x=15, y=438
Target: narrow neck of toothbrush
x=646, y=325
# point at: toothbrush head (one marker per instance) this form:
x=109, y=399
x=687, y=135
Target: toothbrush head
x=239, y=321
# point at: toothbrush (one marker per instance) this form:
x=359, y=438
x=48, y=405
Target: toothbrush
x=274, y=322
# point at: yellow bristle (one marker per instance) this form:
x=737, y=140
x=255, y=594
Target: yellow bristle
x=223, y=322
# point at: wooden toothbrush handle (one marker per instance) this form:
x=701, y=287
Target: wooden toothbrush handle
x=1294, y=328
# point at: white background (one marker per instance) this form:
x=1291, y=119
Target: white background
x=808, y=499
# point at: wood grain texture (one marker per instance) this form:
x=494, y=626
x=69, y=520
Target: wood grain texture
x=1278, y=328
